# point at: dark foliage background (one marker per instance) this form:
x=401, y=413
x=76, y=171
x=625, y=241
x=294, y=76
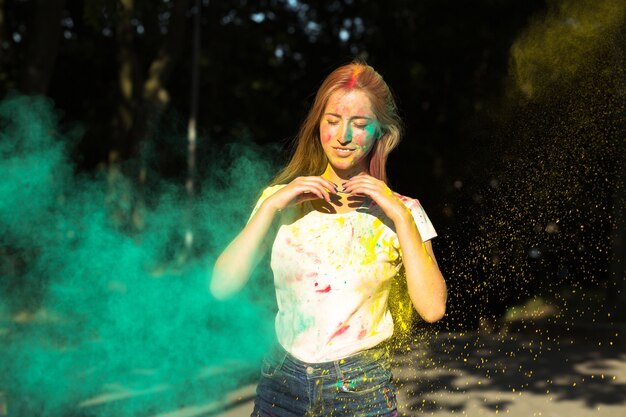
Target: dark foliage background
x=120, y=70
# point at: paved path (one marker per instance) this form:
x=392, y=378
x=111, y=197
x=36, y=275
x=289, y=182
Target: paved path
x=485, y=375
x=442, y=374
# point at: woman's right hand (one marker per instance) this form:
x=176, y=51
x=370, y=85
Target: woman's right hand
x=301, y=189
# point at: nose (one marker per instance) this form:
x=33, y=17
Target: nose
x=346, y=135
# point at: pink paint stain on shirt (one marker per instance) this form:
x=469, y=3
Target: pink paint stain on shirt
x=296, y=246
x=340, y=331
x=362, y=333
x=327, y=289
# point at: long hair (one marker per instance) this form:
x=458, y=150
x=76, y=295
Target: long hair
x=309, y=157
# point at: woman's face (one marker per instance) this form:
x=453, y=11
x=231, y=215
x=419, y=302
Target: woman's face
x=348, y=130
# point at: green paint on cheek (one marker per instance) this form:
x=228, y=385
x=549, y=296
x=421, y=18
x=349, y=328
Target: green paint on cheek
x=372, y=130
x=88, y=311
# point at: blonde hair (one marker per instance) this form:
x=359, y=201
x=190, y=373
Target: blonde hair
x=309, y=157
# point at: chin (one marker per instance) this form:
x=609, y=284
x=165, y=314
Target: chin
x=344, y=167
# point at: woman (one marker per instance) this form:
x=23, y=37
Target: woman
x=339, y=236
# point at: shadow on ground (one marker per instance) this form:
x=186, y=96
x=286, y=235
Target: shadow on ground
x=539, y=373
x=456, y=372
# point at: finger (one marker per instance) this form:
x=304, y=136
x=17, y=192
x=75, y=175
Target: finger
x=356, y=181
x=364, y=189
x=326, y=194
x=332, y=187
x=322, y=191
x=331, y=184
x=374, y=186
x=319, y=180
x=353, y=186
x=310, y=195
x=342, y=190
x=358, y=193
x=322, y=182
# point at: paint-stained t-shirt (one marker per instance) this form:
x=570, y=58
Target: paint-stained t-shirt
x=332, y=274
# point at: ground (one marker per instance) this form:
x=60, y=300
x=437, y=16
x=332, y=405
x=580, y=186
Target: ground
x=539, y=372
x=517, y=375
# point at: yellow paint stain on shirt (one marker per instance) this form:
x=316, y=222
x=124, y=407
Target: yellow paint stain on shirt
x=389, y=251
x=369, y=242
x=375, y=306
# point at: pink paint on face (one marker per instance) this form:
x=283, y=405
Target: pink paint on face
x=348, y=131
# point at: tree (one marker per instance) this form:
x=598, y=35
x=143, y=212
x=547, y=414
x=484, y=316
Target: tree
x=42, y=45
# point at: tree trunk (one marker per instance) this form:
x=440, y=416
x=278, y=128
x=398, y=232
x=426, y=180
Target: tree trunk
x=143, y=98
x=42, y=45
x=127, y=83
x=155, y=96
x=192, y=132
x=120, y=194
x=3, y=32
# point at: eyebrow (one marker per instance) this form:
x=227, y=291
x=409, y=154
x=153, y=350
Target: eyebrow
x=353, y=117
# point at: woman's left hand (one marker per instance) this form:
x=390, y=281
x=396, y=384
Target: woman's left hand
x=377, y=190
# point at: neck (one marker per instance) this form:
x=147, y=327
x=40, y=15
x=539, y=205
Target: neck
x=340, y=176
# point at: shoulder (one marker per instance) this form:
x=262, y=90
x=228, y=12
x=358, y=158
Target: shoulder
x=411, y=203
x=423, y=223
x=268, y=191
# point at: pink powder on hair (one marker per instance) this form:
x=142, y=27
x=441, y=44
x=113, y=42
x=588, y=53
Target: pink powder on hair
x=353, y=79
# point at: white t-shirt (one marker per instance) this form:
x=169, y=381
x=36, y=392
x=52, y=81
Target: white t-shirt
x=332, y=274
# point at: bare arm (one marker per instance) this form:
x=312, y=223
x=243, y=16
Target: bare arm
x=234, y=266
x=425, y=282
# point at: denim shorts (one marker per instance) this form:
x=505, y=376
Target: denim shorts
x=360, y=385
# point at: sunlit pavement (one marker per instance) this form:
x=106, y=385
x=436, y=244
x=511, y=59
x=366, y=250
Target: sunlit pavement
x=539, y=373
x=512, y=374
x=485, y=375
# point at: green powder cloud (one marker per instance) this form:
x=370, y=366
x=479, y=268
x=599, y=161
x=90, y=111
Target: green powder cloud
x=91, y=322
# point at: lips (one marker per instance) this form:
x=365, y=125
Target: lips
x=344, y=151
